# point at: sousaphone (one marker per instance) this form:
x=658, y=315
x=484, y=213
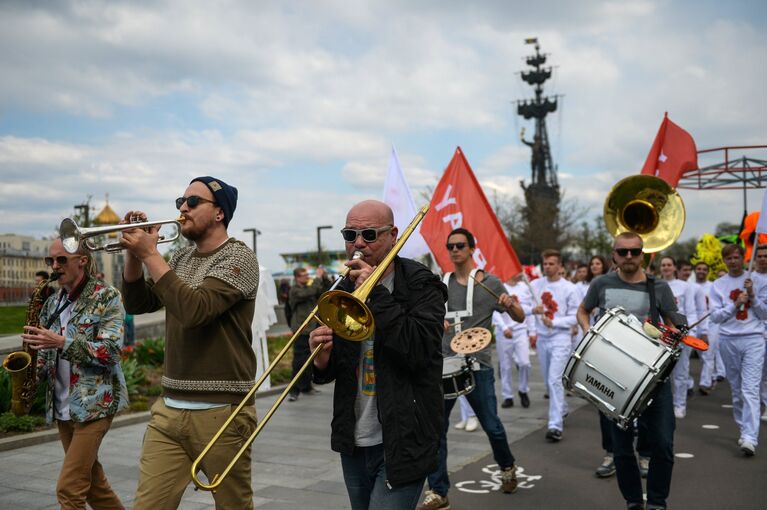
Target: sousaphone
x=648, y=206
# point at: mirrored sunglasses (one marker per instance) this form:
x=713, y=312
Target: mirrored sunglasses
x=61, y=259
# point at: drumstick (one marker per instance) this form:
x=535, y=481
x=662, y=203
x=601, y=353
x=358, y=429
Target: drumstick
x=454, y=324
x=486, y=288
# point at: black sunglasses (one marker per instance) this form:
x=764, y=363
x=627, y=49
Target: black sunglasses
x=459, y=246
x=369, y=235
x=192, y=201
x=635, y=252
x=61, y=259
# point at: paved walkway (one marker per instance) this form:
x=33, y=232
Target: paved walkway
x=293, y=466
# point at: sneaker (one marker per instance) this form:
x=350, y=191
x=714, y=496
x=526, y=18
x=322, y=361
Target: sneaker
x=644, y=466
x=293, y=396
x=704, y=390
x=680, y=412
x=554, y=435
x=472, y=424
x=740, y=442
x=689, y=392
x=509, y=480
x=507, y=402
x=634, y=506
x=524, y=399
x=461, y=425
x=748, y=448
x=546, y=395
x=719, y=378
x=433, y=501
x=607, y=468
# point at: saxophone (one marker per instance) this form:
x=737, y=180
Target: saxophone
x=22, y=365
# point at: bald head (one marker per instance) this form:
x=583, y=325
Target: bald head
x=374, y=210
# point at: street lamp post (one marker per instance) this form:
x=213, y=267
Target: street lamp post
x=319, y=246
x=256, y=233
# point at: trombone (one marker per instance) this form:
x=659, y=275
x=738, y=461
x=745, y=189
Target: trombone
x=72, y=234
x=343, y=312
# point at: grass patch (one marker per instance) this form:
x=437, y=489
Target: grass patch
x=283, y=370
x=12, y=319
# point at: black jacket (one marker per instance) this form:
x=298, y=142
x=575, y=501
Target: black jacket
x=408, y=366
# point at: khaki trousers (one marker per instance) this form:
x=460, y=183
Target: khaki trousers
x=175, y=437
x=82, y=478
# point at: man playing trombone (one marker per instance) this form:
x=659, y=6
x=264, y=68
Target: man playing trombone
x=208, y=291
x=387, y=406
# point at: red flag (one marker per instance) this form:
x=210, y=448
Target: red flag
x=458, y=201
x=672, y=153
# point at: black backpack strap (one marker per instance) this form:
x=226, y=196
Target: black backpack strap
x=654, y=314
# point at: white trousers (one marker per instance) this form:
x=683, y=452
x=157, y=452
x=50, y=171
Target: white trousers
x=553, y=353
x=764, y=379
x=466, y=410
x=743, y=361
x=681, y=378
x=708, y=358
x=513, y=351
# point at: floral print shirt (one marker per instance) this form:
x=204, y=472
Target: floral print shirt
x=92, y=343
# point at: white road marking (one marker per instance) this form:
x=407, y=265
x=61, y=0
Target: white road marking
x=710, y=427
x=684, y=455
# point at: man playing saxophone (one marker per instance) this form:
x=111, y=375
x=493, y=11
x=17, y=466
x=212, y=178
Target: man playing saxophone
x=208, y=291
x=79, y=357
x=387, y=406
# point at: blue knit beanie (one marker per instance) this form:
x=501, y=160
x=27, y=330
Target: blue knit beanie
x=225, y=195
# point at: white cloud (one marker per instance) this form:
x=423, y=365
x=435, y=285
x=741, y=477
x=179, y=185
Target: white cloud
x=278, y=97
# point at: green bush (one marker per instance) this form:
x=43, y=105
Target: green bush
x=11, y=423
x=5, y=391
x=154, y=391
x=150, y=352
x=134, y=375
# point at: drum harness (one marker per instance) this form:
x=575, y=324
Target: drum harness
x=457, y=316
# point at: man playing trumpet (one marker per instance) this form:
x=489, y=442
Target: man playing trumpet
x=208, y=291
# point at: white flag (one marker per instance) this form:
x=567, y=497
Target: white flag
x=397, y=195
x=761, y=226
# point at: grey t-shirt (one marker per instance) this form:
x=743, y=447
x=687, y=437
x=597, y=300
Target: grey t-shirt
x=608, y=291
x=367, y=429
x=484, y=304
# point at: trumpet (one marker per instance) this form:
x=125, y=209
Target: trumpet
x=72, y=234
x=343, y=312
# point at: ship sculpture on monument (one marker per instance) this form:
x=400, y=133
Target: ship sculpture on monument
x=542, y=196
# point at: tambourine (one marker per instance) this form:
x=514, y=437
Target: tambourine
x=471, y=340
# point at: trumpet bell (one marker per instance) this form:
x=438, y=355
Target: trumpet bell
x=70, y=235
x=346, y=315
x=648, y=206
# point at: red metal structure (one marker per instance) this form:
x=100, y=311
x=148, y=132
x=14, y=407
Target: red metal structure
x=736, y=170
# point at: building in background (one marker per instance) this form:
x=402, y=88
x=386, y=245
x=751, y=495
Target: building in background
x=20, y=258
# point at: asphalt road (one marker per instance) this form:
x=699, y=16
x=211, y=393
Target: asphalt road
x=710, y=472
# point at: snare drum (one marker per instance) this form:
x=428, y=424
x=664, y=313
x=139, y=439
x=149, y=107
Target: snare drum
x=457, y=377
x=617, y=366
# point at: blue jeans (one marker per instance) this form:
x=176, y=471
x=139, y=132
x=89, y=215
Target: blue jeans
x=659, y=421
x=365, y=478
x=485, y=406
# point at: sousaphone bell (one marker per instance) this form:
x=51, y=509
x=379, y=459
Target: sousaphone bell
x=648, y=206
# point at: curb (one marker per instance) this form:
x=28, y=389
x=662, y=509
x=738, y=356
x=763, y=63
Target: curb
x=52, y=434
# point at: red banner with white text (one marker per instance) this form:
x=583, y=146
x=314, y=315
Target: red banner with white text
x=458, y=201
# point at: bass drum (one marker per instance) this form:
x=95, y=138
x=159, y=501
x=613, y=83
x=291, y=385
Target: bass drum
x=616, y=366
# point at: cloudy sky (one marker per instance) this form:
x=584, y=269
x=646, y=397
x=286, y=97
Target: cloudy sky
x=299, y=103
